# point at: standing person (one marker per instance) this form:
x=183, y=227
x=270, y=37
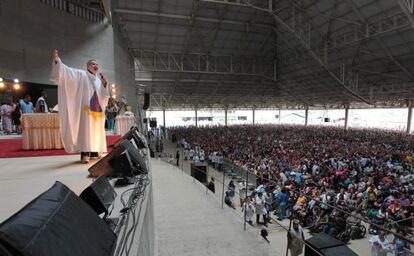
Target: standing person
x=295, y=238
x=248, y=206
x=379, y=244
x=401, y=245
x=211, y=185
x=260, y=205
x=82, y=99
x=111, y=112
x=16, y=116
x=41, y=106
x=282, y=198
x=26, y=105
x=177, y=158
x=6, y=111
x=122, y=105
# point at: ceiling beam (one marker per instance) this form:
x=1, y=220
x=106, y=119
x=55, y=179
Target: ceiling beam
x=187, y=18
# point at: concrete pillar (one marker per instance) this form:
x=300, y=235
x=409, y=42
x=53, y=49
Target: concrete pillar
x=253, y=110
x=196, y=121
x=306, y=116
x=410, y=116
x=163, y=117
x=346, y=117
x=225, y=117
x=279, y=115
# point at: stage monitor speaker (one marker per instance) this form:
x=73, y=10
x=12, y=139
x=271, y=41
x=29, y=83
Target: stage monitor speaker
x=134, y=135
x=126, y=159
x=57, y=222
x=327, y=120
x=153, y=123
x=99, y=195
x=147, y=101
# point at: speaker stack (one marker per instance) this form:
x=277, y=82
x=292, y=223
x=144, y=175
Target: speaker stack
x=147, y=101
x=153, y=123
x=58, y=222
x=126, y=159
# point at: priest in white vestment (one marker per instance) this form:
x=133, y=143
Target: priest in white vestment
x=82, y=99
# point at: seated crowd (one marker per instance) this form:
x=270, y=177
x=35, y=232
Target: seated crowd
x=327, y=177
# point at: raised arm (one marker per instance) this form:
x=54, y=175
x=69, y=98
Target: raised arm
x=62, y=74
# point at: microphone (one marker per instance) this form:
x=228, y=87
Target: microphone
x=104, y=82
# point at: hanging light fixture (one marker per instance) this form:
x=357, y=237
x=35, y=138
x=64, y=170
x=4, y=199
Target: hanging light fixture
x=16, y=84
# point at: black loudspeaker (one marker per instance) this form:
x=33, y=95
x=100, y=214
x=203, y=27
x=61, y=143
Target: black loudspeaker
x=147, y=101
x=199, y=172
x=125, y=159
x=99, y=195
x=327, y=120
x=145, y=120
x=56, y=223
x=153, y=123
x=323, y=244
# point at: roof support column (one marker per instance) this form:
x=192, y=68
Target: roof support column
x=410, y=116
x=253, y=112
x=196, y=121
x=225, y=116
x=306, y=116
x=346, y=117
x=163, y=117
x=279, y=115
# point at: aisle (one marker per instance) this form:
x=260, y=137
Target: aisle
x=189, y=222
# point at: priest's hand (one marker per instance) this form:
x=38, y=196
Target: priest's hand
x=55, y=56
x=103, y=80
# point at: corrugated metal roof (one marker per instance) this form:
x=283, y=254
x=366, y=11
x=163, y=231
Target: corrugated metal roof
x=295, y=53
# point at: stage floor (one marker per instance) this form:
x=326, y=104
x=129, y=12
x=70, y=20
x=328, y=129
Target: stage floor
x=22, y=179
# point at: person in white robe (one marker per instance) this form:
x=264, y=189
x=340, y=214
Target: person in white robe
x=295, y=239
x=82, y=99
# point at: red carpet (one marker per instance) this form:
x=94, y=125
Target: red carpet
x=13, y=148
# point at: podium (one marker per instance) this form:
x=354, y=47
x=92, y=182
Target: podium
x=199, y=171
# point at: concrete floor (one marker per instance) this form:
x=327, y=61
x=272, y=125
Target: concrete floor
x=189, y=221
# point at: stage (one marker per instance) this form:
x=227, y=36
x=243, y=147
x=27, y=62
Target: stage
x=12, y=146
x=24, y=178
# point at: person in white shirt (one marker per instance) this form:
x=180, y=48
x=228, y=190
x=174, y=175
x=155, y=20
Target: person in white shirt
x=248, y=206
x=379, y=245
x=260, y=205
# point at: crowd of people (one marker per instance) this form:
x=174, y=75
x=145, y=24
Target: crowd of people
x=10, y=112
x=113, y=109
x=328, y=178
